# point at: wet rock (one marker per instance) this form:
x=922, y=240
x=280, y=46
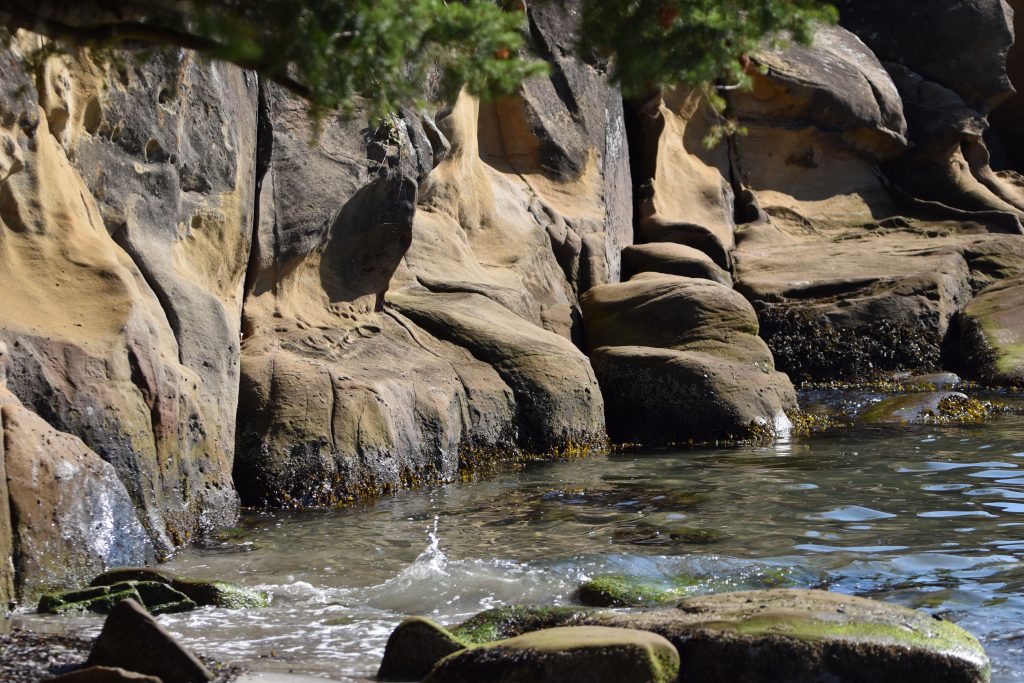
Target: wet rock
x=72, y=516
x=671, y=259
x=583, y=653
x=202, y=593
x=123, y=273
x=788, y=635
x=131, y=639
x=104, y=674
x=679, y=359
x=414, y=647
x=156, y=597
x=992, y=335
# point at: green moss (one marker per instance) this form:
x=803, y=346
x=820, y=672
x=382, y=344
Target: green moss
x=941, y=636
x=508, y=622
x=621, y=590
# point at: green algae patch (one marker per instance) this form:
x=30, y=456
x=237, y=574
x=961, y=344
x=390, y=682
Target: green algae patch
x=621, y=590
x=591, y=654
x=942, y=636
x=508, y=622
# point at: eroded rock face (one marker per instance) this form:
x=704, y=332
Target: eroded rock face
x=686, y=197
x=128, y=341
x=413, y=291
x=849, y=276
x=975, y=36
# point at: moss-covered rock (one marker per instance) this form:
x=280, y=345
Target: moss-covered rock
x=202, y=593
x=508, y=622
x=780, y=636
x=992, y=335
x=157, y=597
x=622, y=590
x=591, y=654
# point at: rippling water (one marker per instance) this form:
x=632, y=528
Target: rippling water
x=928, y=517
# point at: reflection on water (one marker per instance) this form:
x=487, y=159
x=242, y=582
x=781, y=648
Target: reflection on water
x=927, y=517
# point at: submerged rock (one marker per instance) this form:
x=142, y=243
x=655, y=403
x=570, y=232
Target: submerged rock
x=159, y=591
x=927, y=408
x=782, y=636
x=203, y=593
x=156, y=597
x=584, y=654
x=624, y=590
x=104, y=674
x=621, y=590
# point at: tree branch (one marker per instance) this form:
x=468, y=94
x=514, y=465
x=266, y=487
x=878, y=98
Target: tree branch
x=117, y=33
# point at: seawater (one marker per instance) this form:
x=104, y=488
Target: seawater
x=928, y=517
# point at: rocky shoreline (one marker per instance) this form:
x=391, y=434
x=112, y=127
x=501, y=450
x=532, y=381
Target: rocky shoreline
x=208, y=304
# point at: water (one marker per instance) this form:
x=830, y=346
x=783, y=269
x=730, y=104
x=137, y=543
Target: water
x=928, y=517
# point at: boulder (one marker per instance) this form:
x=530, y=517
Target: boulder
x=575, y=653
x=788, y=635
x=558, y=398
x=671, y=259
x=414, y=647
x=992, y=335
x=132, y=639
x=679, y=359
